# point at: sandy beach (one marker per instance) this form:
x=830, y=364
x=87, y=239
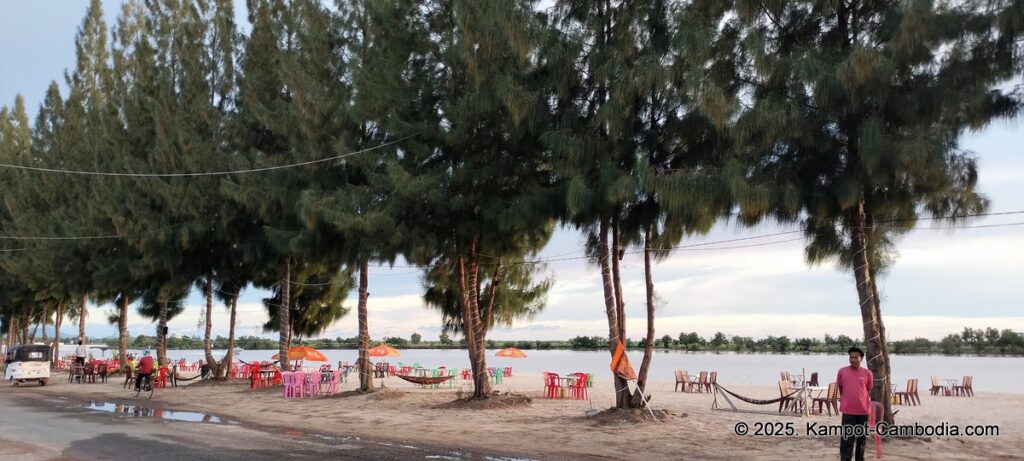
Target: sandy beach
x=559, y=429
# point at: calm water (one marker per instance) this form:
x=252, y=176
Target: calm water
x=994, y=374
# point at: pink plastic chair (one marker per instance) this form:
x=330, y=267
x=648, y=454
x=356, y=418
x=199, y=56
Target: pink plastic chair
x=332, y=387
x=508, y=372
x=288, y=381
x=312, y=382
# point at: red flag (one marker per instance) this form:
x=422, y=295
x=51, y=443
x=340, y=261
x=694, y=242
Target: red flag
x=620, y=363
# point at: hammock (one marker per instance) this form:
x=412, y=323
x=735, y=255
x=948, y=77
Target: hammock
x=757, y=401
x=425, y=380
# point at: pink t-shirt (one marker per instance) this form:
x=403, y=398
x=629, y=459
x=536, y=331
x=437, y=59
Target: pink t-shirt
x=856, y=386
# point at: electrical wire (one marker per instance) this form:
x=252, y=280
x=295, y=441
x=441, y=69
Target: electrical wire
x=210, y=173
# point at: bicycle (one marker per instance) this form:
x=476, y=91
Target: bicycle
x=145, y=387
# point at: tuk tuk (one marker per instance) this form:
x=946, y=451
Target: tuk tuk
x=28, y=362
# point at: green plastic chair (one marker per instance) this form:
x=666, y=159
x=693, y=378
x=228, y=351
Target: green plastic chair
x=498, y=373
x=590, y=380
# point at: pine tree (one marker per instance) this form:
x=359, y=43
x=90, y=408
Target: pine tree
x=276, y=123
x=855, y=110
x=480, y=184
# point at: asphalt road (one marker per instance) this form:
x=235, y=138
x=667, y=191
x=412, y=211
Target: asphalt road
x=36, y=426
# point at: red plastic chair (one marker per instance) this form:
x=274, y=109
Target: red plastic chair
x=552, y=385
x=254, y=376
x=466, y=373
x=508, y=371
x=579, y=386
x=161, y=378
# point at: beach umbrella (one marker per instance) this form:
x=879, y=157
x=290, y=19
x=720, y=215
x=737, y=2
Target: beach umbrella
x=511, y=352
x=384, y=351
x=304, y=353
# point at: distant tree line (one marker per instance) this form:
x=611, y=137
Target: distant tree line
x=988, y=341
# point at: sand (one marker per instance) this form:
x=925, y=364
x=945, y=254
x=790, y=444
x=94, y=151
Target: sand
x=542, y=428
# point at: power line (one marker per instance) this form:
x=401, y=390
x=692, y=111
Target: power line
x=210, y=173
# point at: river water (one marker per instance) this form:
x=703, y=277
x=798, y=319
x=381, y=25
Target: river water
x=991, y=374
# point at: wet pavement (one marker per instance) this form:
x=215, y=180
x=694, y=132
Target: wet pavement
x=160, y=412
x=51, y=427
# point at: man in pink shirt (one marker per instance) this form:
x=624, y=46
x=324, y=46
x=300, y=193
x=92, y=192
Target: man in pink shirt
x=855, y=385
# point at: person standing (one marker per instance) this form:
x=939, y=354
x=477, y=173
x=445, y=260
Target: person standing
x=855, y=383
x=80, y=353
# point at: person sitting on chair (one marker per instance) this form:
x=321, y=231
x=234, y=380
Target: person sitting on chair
x=145, y=368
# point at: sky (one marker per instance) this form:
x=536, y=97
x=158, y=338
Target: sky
x=943, y=280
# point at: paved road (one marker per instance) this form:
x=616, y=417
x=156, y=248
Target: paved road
x=46, y=427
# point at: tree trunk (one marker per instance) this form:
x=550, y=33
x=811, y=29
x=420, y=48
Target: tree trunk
x=207, y=340
x=12, y=330
x=620, y=304
x=492, y=291
x=877, y=355
x=641, y=379
x=229, y=358
x=82, y=313
x=365, y=370
x=56, y=333
x=122, y=328
x=161, y=336
x=481, y=381
x=611, y=310
x=32, y=332
x=282, y=315
x=45, y=321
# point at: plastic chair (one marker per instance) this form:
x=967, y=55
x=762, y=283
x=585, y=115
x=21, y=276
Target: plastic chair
x=161, y=378
x=89, y=373
x=312, y=382
x=966, y=387
x=508, y=372
x=829, y=402
x=681, y=380
x=579, y=387
x=498, y=373
x=552, y=385
x=129, y=378
x=288, y=383
x=332, y=386
x=702, y=382
x=785, y=389
x=254, y=375
x=466, y=373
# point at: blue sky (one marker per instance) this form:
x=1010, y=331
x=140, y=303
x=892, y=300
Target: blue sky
x=943, y=280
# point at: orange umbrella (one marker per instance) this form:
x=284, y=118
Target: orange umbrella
x=384, y=351
x=304, y=353
x=511, y=352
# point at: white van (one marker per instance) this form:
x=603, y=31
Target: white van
x=28, y=362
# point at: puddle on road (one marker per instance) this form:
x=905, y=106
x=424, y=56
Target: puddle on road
x=156, y=412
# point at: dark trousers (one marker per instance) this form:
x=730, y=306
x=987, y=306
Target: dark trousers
x=848, y=445
x=138, y=382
